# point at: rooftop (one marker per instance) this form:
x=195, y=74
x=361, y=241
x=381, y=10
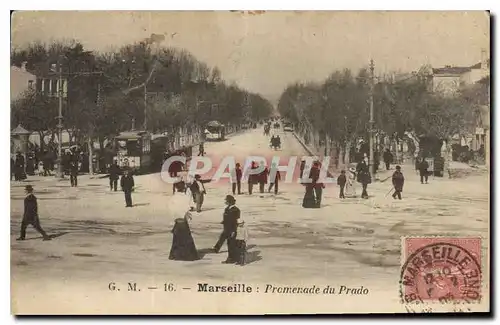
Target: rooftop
x=458, y=70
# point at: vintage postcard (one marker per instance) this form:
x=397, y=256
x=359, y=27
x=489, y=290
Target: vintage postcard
x=250, y=162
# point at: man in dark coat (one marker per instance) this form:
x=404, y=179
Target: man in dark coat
x=424, y=173
x=238, y=174
x=127, y=184
x=19, y=167
x=317, y=186
x=201, y=149
x=73, y=171
x=30, y=216
x=114, y=175
x=388, y=158
x=30, y=164
x=364, y=177
x=230, y=224
x=262, y=178
x=302, y=167
x=341, y=181
x=398, y=180
x=47, y=163
x=274, y=183
x=252, y=178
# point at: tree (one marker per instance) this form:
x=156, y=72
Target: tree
x=36, y=113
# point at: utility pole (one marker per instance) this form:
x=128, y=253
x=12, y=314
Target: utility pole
x=60, y=171
x=372, y=122
x=145, y=107
x=60, y=95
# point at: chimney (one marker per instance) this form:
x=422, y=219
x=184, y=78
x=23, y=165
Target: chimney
x=484, y=60
x=23, y=65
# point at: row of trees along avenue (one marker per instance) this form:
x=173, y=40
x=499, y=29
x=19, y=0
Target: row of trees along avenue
x=182, y=93
x=336, y=112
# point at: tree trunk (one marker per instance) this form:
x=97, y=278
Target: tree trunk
x=90, y=144
x=347, y=153
x=446, y=152
x=41, y=135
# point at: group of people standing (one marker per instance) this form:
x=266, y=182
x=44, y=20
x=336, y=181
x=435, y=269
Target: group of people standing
x=260, y=179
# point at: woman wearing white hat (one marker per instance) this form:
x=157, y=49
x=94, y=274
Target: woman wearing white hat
x=350, y=189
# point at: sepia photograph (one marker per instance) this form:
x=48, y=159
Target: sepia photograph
x=249, y=162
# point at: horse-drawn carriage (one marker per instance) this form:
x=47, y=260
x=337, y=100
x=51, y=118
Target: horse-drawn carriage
x=214, y=131
x=275, y=142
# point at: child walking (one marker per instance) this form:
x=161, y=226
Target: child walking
x=241, y=243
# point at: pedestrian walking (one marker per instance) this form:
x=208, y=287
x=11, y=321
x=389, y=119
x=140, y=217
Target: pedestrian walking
x=127, y=184
x=341, y=181
x=30, y=164
x=198, y=191
x=316, y=184
x=302, y=167
x=274, y=182
x=423, y=167
x=364, y=177
x=114, y=175
x=73, y=176
x=388, y=159
x=30, y=215
x=47, y=164
x=183, y=246
x=398, y=181
x=237, y=182
x=201, y=150
x=252, y=178
x=230, y=224
x=241, y=241
x=262, y=178
x=19, y=173
x=350, y=189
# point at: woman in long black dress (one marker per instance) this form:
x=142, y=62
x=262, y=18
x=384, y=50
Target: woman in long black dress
x=183, y=246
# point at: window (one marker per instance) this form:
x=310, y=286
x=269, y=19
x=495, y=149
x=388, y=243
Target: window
x=133, y=148
x=30, y=84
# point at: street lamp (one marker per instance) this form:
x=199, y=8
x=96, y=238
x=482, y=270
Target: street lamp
x=58, y=68
x=372, y=121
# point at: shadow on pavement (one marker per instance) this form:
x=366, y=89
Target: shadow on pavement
x=204, y=251
x=252, y=257
x=52, y=236
x=140, y=204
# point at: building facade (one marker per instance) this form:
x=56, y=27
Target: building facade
x=448, y=80
x=21, y=81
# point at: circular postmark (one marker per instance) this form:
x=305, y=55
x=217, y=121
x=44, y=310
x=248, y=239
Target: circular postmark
x=442, y=272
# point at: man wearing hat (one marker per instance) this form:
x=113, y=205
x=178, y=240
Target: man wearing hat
x=230, y=223
x=30, y=216
x=398, y=181
x=127, y=184
x=198, y=191
x=114, y=175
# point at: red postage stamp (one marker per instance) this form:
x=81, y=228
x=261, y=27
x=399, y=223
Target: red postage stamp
x=441, y=269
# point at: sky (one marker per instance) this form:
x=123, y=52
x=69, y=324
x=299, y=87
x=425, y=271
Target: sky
x=266, y=52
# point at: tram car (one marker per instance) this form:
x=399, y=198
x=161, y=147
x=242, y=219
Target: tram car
x=133, y=151
x=214, y=131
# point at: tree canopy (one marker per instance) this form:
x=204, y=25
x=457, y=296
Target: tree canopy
x=106, y=91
